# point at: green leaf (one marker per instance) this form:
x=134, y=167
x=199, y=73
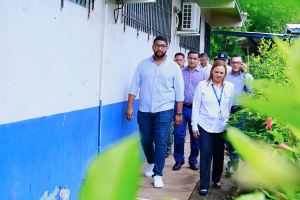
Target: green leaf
x=270, y=196
x=251, y=196
x=264, y=168
x=278, y=137
x=115, y=174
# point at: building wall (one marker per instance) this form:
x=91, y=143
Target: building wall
x=64, y=85
x=49, y=102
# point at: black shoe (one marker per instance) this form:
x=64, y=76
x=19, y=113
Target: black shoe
x=194, y=166
x=169, y=152
x=177, y=165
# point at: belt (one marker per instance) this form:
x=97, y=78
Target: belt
x=188, y=105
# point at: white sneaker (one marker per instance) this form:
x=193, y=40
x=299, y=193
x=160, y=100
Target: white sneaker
x=149, y=171
x=158, y=183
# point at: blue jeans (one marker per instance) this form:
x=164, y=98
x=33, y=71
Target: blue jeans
x=211, y=146
x=154, y=128
x=179, y=135
x=234, y=157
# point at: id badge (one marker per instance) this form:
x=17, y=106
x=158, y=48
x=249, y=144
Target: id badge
x=220, y=114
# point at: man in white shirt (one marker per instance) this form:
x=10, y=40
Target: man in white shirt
x=204, y=63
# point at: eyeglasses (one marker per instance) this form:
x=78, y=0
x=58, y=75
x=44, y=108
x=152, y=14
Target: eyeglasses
x=238, y=63
x=163, y=46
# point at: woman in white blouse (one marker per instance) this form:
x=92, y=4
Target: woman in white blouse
x=211, y=109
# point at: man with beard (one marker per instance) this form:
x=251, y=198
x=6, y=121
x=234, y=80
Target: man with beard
x=161, y=84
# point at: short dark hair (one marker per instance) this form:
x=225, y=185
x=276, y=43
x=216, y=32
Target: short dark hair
x=179, y=54
x=203, y=55
x=194, y=52
x=160, y=38
x=238, y=56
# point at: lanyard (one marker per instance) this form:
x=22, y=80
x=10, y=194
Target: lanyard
x=219, y=100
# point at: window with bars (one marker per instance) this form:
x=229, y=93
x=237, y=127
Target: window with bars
x=207, y=39
x=190, y=42
x=152, y=18
x=79, y=2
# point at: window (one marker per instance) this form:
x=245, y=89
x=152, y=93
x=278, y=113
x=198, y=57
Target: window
x=207, y=39
x=152, y=18
x=79, y=2
x=190, y=42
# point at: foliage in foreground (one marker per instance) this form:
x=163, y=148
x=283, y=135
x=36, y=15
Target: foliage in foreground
x=115, y=174
x=275, y=170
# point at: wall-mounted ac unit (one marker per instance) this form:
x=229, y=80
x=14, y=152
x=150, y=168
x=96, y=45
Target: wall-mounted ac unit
x=190, y=17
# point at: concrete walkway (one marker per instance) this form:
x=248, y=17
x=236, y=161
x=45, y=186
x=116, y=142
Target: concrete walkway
x=184, y=184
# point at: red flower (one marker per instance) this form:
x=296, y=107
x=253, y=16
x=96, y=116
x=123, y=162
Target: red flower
x=261, y=51
x=269, y=123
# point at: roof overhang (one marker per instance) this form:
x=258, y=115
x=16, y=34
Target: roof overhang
x=255, y=34
x=223, y=13
x=253, y=39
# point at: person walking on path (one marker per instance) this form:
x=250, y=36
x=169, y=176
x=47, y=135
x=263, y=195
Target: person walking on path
x=211, y=108
x=204, y=63
x=237, y=77
x=223, y=56
x=159, y=82
x=192, y=75
x=179, y=58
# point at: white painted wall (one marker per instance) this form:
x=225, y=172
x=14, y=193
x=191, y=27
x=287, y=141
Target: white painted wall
x=122, y=53
x=49, y=59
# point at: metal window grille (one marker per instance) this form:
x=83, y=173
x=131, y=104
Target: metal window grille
x=190, y=42
x=207, y=39
x=152, y=18
x=79, y=2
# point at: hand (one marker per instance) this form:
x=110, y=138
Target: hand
x=129, y=113
x=178, y=120
x=196, y=134
x=244, y=67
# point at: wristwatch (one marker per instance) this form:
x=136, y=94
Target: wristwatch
x=179, y=114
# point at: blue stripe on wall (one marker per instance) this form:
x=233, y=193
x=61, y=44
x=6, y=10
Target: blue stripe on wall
x=39, y=154
x=114, y=125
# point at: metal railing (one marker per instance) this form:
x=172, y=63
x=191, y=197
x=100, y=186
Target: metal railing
x=152, y=18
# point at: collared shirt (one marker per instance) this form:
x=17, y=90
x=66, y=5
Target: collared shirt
x=160, y=86
x=206, y=107
x=191, y=80
x=239, y=83
x=229, y=68
x=207, y=68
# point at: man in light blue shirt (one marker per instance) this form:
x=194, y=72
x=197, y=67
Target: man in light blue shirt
x=237, y=77
x=160, y=84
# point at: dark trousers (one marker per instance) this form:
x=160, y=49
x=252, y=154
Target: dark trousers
x=234, y=157
x=154, y=128
x=179, y=135
x=211, y=146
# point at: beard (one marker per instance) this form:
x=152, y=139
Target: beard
x=160, y=56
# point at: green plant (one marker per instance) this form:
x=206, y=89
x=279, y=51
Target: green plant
x=277, y=169
x=115, y=174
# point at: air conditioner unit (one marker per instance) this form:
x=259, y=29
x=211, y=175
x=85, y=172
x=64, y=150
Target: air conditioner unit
x=190, y=17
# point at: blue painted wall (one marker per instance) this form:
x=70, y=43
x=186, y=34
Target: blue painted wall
x=37, y=155
x=114, y=125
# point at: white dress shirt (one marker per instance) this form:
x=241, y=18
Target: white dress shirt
x=206, y=107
